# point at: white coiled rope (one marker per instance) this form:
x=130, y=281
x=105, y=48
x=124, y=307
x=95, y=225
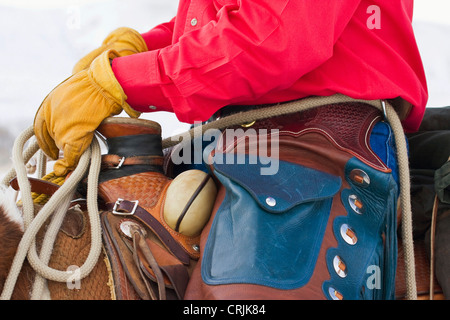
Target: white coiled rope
x=57, y=205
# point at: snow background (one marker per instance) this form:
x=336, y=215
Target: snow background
x=41, y=40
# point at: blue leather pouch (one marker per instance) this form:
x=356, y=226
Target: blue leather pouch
x=268, y=229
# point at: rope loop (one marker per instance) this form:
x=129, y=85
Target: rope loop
x=56, y=207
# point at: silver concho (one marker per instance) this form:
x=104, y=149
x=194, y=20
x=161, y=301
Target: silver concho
x=334, y=294
x=360, y=177
x=125, y=227
x=339, y=267
x=348, y=234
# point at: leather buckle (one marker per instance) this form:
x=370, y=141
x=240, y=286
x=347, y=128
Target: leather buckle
x=120, y=163
x=124, y=213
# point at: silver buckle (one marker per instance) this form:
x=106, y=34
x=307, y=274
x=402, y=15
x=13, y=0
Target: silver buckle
x=120, y=163
x=121, y=213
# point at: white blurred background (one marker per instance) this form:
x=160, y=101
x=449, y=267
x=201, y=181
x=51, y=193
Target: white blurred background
x=40, y=41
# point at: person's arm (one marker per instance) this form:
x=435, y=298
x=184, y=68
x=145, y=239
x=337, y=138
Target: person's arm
x=159, y=36
x=251, y=48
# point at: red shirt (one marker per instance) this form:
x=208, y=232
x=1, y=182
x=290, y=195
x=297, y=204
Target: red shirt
x=233, y=52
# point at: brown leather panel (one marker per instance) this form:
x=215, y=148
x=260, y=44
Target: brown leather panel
x=347, y=126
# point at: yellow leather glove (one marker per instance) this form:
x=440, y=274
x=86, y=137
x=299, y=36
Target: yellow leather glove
x=69, y=115
x=125, y=41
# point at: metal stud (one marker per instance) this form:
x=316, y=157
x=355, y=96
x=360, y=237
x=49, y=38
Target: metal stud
x=348, y=234
x=360, y=177
x=356, y=204
x=271, y=202
x=334, y=294
x=339, y=267
x=196, y=247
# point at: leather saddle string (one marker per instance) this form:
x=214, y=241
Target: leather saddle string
x=313, y=102
x=139, y=242
x=432, y=242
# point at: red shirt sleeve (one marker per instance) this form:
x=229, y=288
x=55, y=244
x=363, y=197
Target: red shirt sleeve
x=160, y=36
x=250, y=48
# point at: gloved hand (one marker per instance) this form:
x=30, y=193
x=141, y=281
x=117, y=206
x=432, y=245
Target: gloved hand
x=69, y=115
x=125, y=41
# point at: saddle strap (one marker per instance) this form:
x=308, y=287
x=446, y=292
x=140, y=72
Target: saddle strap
x=139, y=244
x=131, y=208
x=158, y=265
x=142, y=267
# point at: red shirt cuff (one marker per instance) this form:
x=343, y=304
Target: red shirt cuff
x=138, y=77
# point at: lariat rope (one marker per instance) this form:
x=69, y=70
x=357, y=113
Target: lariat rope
x=313, y=102
x=57, y=204
x=65, y=192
